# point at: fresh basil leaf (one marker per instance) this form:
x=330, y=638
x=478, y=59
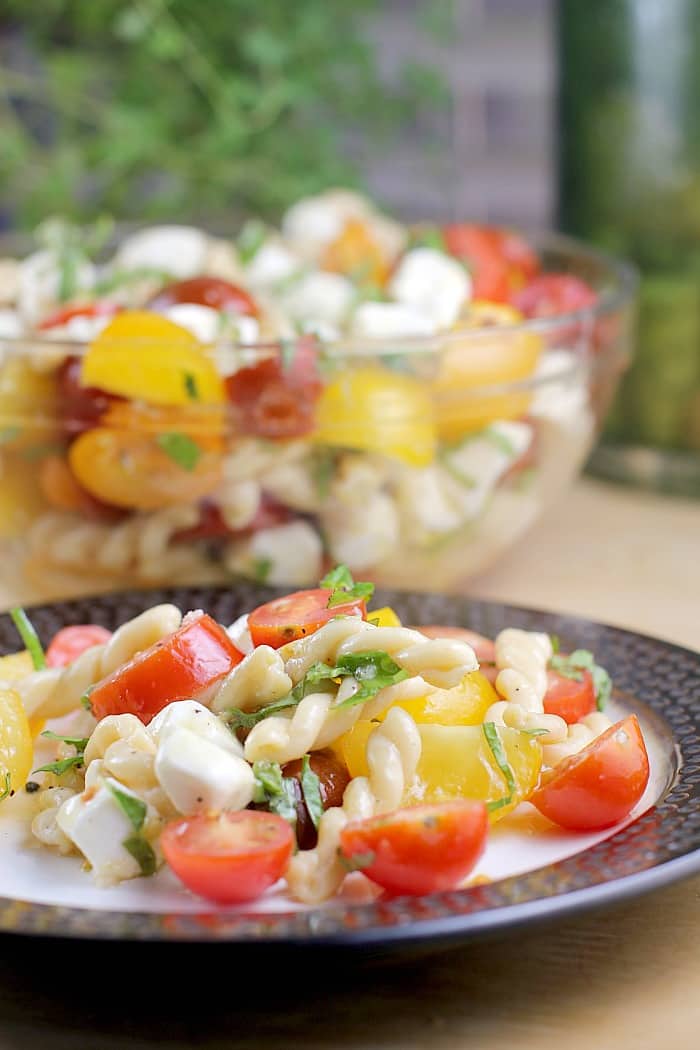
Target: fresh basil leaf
x=493, y=739
x=562, y=665
x=142, y=852
x=311, y=791
x=61, y=765
x=268, y=780
x=85, y=699
x=78, y=742
x=373, y=670
x=555, y=643
x=134, y=808
x=340, y=576
x=573, y=666
x=499, y=803
x=343, y=588
x=181, y=448
x=29, y=637
x=7, y=789
x=602, y=683
x=191, y=388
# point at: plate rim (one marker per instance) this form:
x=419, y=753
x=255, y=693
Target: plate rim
x=457, y=916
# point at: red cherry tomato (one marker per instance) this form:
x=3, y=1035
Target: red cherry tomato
x=228, y=857
x=422, y=849
x=214, y=292
x=498, y=260
x=68, y=643
x=275, y=399
x=552, y=294
x=600, y=785
x=182, y=665
x=67, y=313
x=81, y=407
x=568, y=698
x=295, y=615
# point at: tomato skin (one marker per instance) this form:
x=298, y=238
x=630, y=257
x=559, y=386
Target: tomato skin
x=569, y=699
x=333, y=778
x=295, y=615
x=421, y=849
x=275, y=401
x=597, y=787
x=499, y=260
x=70, y=642
x=214, y=292
x=552, y=294
x=67, y=313
x=180, y=666
x=228, y=857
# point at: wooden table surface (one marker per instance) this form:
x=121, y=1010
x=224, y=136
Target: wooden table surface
x=627, y=978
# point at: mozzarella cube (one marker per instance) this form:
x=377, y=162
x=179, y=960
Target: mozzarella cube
x=272, y=263
x=432, y=282
x=197, y=775
x=178, y=250
x=197, y=719
x=391, y=321
x=290, y=554
x=201, y=321
x=96, y=823
x=324, y=296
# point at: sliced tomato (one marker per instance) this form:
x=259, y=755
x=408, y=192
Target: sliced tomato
x=214, y=292
x=599, y=786
x=276, y=398
x=295, y=615
x=68, y=313
x=70, y=642
x=422, y=849
x=228, y=857
x=551, y=294
x=178, y=667
x=572, y=700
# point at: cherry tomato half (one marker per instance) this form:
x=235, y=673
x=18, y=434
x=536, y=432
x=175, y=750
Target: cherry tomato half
x=276, y=400
x=295, y=615
x=500, y=261
x=180, y=666
x=214, y=292
x=422, y=849
x=570, y=699
x=228, y=857
x=67, y=313
x=597, y=787
x=70, y=642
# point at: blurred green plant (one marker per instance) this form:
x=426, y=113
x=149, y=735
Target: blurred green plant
x=155, y=108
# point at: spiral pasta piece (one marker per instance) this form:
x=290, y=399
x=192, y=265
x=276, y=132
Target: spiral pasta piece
x=55, y=691
x=578, y=736
x=522, y=658
x=393, y=753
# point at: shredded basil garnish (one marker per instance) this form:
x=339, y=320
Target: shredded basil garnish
x=493, y=739
x=343, y=588
x=311, y=791
x=142, y=852
x=275, y=791
x=29, y=636
x=134, y=808
x=61, y=765
x=573, y=666
x=181, y=448
x=7, y=790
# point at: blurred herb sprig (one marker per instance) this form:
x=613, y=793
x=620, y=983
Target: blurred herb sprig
x=155, y=108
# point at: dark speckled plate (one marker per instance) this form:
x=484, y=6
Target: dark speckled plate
x=655, y=678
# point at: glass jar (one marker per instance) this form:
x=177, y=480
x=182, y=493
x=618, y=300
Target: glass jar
x=629, y=182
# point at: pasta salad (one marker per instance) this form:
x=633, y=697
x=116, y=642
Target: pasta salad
x=312, y=738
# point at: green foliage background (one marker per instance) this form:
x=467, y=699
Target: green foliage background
x=196, y=108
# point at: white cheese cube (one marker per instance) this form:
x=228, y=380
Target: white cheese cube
x=391, y=321
x=433, y=283
x=285, y=554
x=197, y=775
x=197, y=719
x=178, y=250
x=324, y=296
x=272, y=263
x=201, y=321
x=96, y=823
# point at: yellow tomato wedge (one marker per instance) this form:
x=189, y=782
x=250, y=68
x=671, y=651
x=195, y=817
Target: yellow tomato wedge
x=484, y=359
x=384, y=617
x=15, y=743
x=14, y=667
x=376, y=410
x=145, y=356
x=457, y=762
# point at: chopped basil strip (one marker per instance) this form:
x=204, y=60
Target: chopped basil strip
x=29, y=637
x=358, y=861
x=501, y=442
x=501, y=759
x=7, y=790
x=275, y=791
x=181, y=448
x=555, y=643
x=78, y=742
x=142, y=852
x=85, y=699
x=343, y=588
x=61, y=766
x=573, y=666
x=134, y=808
x=311, y=791
x=191, y=388
x=499, y=803
x=261, y=569
x=118, y=278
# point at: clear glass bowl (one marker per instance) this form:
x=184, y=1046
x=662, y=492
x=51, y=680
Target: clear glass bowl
x=416, y=462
